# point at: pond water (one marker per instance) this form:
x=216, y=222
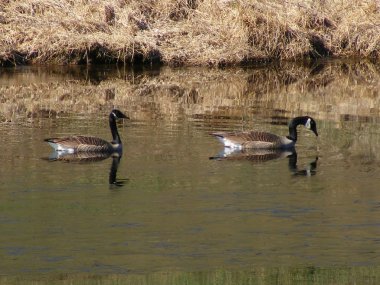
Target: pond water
x=169, y=207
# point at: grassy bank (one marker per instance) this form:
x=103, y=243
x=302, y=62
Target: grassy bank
x=185, y=32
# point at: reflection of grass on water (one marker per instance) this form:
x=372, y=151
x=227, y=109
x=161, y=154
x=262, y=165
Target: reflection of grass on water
x=191, y=32
x=327, y=90
x=284, y=276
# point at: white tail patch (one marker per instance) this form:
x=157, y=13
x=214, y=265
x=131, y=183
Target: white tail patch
x=308, y=123
x=228, y=143
x=58, y=147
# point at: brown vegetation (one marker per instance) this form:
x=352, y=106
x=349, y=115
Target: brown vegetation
x=330, y=90
x=186, y=32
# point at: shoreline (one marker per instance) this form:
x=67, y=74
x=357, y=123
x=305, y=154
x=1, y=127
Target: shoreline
x=186, y=33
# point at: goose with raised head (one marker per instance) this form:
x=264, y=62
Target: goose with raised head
x=74, y=144
x=264, y=140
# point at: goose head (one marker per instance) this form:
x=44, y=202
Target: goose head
x=311, y=125
x=116, y=114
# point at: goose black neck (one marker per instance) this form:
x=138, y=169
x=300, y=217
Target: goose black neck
x=293, y=127
x=114, y=132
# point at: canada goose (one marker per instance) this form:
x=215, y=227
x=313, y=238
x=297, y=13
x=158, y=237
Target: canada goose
x=74, y=144
x=264, y=140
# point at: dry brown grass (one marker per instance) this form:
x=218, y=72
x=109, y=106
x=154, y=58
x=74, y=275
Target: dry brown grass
x=186, y=32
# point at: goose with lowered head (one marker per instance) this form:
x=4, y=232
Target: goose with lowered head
x=264, y=140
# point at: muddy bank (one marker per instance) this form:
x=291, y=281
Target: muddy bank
x=186, y=32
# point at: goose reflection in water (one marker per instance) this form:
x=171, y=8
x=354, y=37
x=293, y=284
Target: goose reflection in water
x=263, y=155
x=309, y=170
x=90, y=157
x=254, y=155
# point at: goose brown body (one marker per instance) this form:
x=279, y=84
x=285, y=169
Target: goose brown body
x=82, y=156
x=252, y=139
x=82, y=144
x=265, y=140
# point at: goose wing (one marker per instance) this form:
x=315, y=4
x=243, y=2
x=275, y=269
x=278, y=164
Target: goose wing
x=80, y=143
x=79, y=157
x=251, y=139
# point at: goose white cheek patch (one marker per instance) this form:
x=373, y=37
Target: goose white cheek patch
x=308, y=124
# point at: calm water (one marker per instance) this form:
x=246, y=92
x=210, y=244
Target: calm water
x=173, y=209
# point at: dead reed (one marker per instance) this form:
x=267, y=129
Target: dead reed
x=186, y=32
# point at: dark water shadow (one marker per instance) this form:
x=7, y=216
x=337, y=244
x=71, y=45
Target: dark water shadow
x=93, y=74
x=91, y=157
